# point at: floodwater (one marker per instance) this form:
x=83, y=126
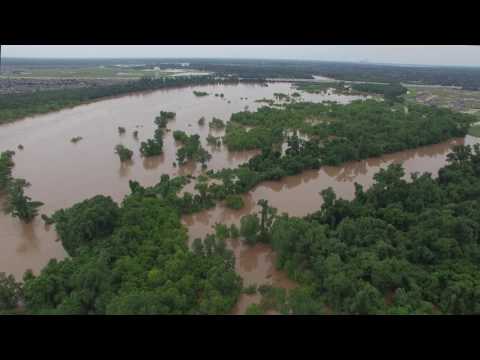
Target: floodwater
x=63, y=173
x=299, y=195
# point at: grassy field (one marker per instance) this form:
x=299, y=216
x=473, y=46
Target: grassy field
x=87, y=72
x=474, y=130
x=454, y=99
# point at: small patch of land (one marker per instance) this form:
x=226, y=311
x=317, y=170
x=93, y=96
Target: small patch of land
x=447, y=97
x=29, y=78
x=474, y=130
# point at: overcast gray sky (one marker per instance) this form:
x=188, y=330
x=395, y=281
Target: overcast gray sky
x=396, y=54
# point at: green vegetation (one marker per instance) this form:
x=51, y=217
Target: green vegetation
x=452, y=98
x=162, y=120
x=17, y=106
x=20, y=147
x=18, y=204
x=474, y=130
x=132, y=259
x=135, y=134
x=216, y=124
x=180, y=136
x=391, y=92
x=151, y=147
x=75, y=139
x=86, y=222
x=121, y=130
x=254, y=309
x=192, y=150
x=466, y=77
x=214, y=140
x=355, y=131
x=234, y=202
x=10, y=293
x=154, y=147
x=200, y=93
x=6, y=165
x=256, y=228
x=238, y=138
x=398, y=248
x=317, y=88
x=201, y=121
x=123, y=153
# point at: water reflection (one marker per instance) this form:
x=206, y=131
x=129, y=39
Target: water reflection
x=153, y=162
x=29, y=240
x=125, y=168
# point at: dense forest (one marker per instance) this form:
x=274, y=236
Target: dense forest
x=466, y=77
x=390, y=92
x=347, y=132
x=128, y=259
x=16, y=106
x=400, y=247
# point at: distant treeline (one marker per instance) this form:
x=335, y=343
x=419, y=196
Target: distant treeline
x=467, y=78
x=17, y=106
x=389, y=91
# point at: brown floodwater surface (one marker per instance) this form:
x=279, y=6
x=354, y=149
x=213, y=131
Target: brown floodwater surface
x=63, y=173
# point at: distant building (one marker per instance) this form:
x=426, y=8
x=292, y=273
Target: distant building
x=184, y=64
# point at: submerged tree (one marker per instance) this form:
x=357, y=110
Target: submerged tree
x=151, y=147
x=123, y=152
x=18, y=204
x=6, y=165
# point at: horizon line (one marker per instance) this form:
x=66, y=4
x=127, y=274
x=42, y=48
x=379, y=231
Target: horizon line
x=359, y=62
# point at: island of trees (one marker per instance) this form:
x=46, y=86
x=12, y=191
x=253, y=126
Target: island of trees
x=123, y=152
x=154, y=147
x=191, y=149
x=17, y=204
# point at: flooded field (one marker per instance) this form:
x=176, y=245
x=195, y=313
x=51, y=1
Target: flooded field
x=63, y=173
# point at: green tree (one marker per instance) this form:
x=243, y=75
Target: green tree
x=86, y=222
x=249, y=228
x=123, y=153
x=234, y=202
x=10, y=292
x=18, y=204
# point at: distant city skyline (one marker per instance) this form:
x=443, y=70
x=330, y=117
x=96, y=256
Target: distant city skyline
x=440, y=55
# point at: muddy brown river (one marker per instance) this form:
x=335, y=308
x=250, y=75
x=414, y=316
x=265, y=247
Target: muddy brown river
x=63, y=173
